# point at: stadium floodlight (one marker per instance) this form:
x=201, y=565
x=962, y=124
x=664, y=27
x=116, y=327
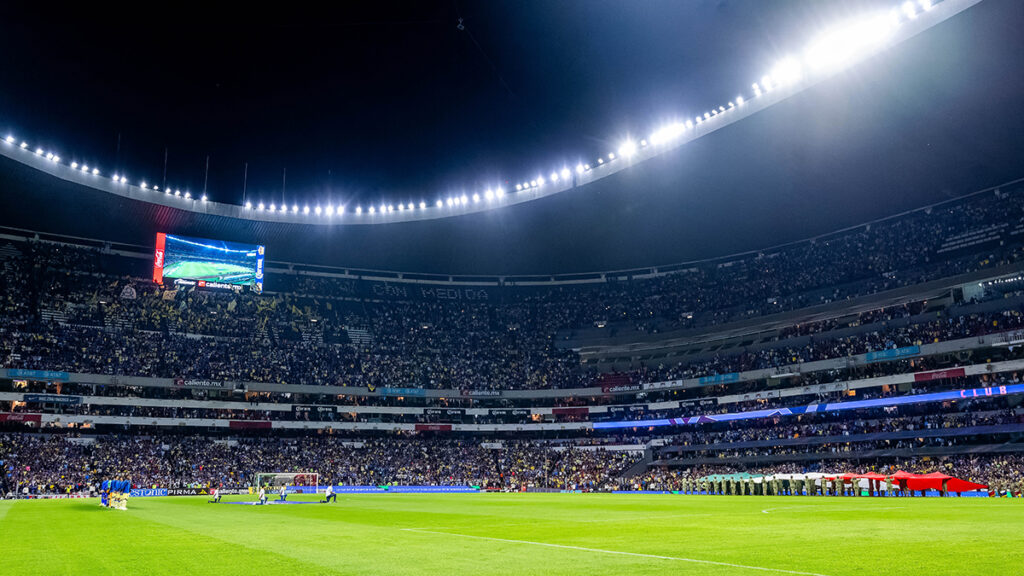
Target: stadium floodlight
x=627, y=149
x=49, y=155
x=24, y=144
x=204, y=198
x=439, y=203
x=909, y=9
x=295, y=208
x=579, y=168
x=272, y=207
x=838, y=46
x=586, y=166
x=450, y=201
x=714, y=112
x=341, y=210
x=188, y=195
x=74, y=165
x=463, y=199
x=259, y=206
x=611, y=155
x=401, y=207
x=9, y=139
x=423, y=205
x=330, y=210
x=248, y=205
x=372, y=210
x=85, y=167
x=500, y=192
x=533, y=183
x=643, y=143
x=926, y=5
x=788, y=71
x=56, y=158
x=305, y=209
x=359, y=209
x=39, y=151
x=96, y=171
x=476, y=198
x=519, y=186
x=391, y=207
x=721, y=108
x=689, y=124
x=318, y=210
x=566, y=173
x=489, y=194
x=144, y=185
x=124, y=179
x=540, y=180
x=553, y=177
x=115, y=177
x=600, y=160
x=739, y=100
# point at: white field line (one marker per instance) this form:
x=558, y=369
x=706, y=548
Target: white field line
x=827, y=509
x=592, y=521
x=616, y=552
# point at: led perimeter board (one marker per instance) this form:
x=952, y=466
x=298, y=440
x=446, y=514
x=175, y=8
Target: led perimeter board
x=208, y=263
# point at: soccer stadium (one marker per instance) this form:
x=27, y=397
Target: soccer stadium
x=697, y=287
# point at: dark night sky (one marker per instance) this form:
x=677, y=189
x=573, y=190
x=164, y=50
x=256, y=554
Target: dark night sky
x=383, y=99
x=400, y=104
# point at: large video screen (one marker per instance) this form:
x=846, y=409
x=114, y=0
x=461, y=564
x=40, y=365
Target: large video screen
x=208, y=263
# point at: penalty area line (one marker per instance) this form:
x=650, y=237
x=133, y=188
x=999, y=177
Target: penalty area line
x=615, y=552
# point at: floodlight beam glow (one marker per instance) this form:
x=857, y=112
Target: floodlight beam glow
x=832, y=50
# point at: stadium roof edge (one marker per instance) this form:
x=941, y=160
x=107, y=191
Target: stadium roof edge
x=300, y=268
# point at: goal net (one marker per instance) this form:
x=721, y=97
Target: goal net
x=306, y=482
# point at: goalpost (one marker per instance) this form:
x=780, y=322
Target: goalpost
x=305, y=482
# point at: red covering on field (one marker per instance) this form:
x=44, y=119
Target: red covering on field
x=931, y=481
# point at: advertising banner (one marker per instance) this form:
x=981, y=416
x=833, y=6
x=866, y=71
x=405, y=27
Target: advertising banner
x=10, y=417
x=893, y=354
x=53, y=398
x=720, y=378
x=411, y=392
x=41, y=375
x=147, y=492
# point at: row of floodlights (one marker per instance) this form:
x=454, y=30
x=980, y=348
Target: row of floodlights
x=833, y=49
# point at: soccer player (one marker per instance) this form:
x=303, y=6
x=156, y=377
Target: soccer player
x=215, y=495
x=262, y=495
x=284, y=492
x=330, y=495
x=105, y=493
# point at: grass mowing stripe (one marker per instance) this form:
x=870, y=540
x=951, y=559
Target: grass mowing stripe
x=617, y=552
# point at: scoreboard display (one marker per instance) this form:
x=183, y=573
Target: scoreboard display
x=208, y=263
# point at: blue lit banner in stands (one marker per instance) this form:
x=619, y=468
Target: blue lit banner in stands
x=893, y=354
x=964, y=394
x=720, y=378
x=41, y=375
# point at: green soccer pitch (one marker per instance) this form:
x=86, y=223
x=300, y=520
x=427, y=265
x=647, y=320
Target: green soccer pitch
x=198, y=270
x=518, y=534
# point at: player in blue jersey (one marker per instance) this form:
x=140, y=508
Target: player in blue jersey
x=105, y=493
